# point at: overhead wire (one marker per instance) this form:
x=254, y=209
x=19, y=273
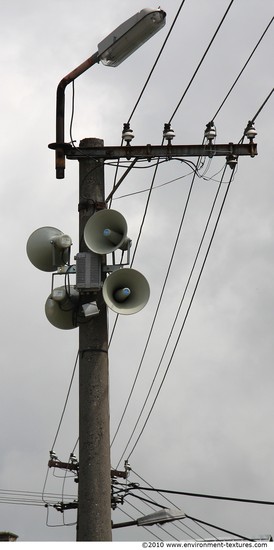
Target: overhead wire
x=224, y=498
x=66, y=401
x=231, y=88
x=170, y=119
x=175, y=111
x=166, y=499
x=30, y=498
x=262, y=105
x=242, y=70
x=202, y=495
x=61, y=421
x=162, y=492
x=185, y=317
x=145, y=85
x=201, y=60
x=156, y=61
x=151, y=187
x=178, y=310
x=164, y=507
x=198, y=521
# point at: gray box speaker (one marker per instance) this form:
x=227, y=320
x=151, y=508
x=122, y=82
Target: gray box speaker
x=88, y=271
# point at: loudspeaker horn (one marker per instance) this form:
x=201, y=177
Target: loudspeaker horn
x=126, y=291
x=106, y=231
x=48, y=248
x=61, y=308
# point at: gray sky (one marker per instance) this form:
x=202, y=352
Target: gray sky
x=211, y=428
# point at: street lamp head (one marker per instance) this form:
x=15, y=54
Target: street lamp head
x=157, y=518
x=114, y=49
x=163, y=516
x=130, y=35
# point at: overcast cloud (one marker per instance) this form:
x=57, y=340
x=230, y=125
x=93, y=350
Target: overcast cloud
x=211, y=430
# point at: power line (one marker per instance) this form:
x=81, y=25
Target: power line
x=144, y=87
x=163, y=507
x=66, y=401
x=201, y=61
x=159, y=302
x=144, y=216
x=215, y=227
x=186, y=315
x=156, y=61
x=203, y=495
x=219, y=528
x=262, y=106
x=165, y=498
x=242, y=70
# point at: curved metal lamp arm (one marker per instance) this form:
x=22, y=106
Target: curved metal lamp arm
x=59, y=146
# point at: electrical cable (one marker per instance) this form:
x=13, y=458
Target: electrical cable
x=157, y=164
x=163, y=508
x=66, y=401
x=203, y=495
x=176, y=109
x=176, y=316
x=215, y=227
x=186, y=315
x=201, y=61
x=167, y=499
x=263, y=105
x=156, y=61
x=149, y=195
x=229, y=92
x=60, y=422
x=199, y=495
x=145, y=85
x=197, y=521
x=178, y=311
x=159, y=301
x=242, y=70
x=29, y=497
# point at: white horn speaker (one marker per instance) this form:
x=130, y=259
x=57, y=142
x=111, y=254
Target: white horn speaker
x=106, y=231
x=48, y=248
x=61, y=308
x=126, y=291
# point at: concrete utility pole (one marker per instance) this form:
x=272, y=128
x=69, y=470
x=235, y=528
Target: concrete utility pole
x=94, y=495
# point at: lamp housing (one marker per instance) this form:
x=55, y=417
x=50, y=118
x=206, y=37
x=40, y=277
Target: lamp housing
x=163, y=516
x=130, y=35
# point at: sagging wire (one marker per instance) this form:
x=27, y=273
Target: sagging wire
x=242, y=70
x=199, y=521
x=186, y=315
x=178, y=311
x=156, y=61
x=229, y=183
x=52, y=453
x=158, y=304
x=201, y=61
x=162, y=492
x=142, y=489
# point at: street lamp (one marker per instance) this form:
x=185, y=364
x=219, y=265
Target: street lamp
x=94, y=489
x=112, y=51
x=163, y=516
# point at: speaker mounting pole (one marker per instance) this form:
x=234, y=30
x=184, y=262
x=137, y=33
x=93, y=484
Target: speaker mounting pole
x=94, y=495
